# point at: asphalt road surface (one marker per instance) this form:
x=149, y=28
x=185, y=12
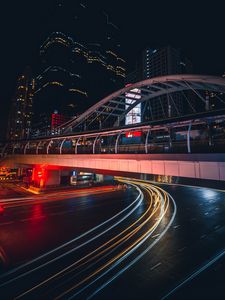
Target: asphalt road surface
x=148, y=242
x=9, y=190
x=188, y=262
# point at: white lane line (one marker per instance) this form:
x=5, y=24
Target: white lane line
x=155, y=235
x=73, y=240
x=182, y=249
x=15, y=199
x=6, y=223
x=195, y=274
x=176, y=226
x=155, y=266
x=128, y=254
x=32, y=219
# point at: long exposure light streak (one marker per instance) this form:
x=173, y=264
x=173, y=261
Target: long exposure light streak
x=136, y=203
x=102, y=263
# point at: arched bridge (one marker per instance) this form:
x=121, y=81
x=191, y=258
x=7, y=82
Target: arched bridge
x=162, y=97
x=191, y=119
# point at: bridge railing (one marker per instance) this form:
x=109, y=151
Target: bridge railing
x=199, y=136
x=196, y=146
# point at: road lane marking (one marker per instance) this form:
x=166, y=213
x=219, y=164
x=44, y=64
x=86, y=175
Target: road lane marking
x=155, y=235
x=182, y=249
x=155, y=266
x=6, y=223
x=203, y=236
x=195, y=274
x=176, y=226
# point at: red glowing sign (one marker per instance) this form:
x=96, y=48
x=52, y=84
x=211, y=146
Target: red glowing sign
x=57, y=120
x=132, y=134
x=39, y=173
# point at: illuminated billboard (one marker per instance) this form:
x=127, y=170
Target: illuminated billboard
x=133, y=134
x=134, y=115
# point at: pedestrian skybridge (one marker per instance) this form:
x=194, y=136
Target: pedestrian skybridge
x=179, y=114
x=192, y=120
x=187, y=140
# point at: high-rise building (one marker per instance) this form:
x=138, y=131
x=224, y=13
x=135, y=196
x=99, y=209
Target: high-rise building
x=78, y=67
x=56, y=121
x=20, y=117
x=160, y=62
x=58, y=86
x=164, y=61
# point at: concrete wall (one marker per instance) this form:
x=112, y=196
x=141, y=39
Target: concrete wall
x=205, y=166
x=52, y=178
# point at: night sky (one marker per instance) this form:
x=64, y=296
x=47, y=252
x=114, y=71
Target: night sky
x=196, y=27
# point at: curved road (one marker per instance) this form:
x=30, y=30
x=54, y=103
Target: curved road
x=189, y=261
x=159, y=242
x=96, y=255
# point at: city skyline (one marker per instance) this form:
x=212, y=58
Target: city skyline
x=188, y=31
x=112, y=150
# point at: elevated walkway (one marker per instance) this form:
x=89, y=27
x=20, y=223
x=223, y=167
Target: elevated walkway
x=201, y=166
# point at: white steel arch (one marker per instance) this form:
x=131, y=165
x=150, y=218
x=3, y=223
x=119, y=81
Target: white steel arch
x=112, y=110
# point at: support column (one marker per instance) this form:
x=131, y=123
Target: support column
x=146, y=142
x=37, y=148
x=25, y=148
x=52, y=178
x=170, y=138
x=210, y=135
x=117, y=141
x=77, y=145
x=97, y=137
x=43, y=178
x=61, y=145
x=49, y=144
x=188, y=138
x=3, y=150
x=103, y=178
x=207, y=103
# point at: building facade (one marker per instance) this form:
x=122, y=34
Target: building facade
x=19, y=126
x=160, y=62
x=80, y=67
x=164, y=61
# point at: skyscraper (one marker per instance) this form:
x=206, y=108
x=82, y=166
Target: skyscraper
x=80, y=66
x=20, y=117
x=164, y=61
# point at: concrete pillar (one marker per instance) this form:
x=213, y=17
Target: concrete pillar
x=65, y=177
x=52, y=178
x=207, y=103
x=99, y=178
x=20, y=171
x=103, y=178
x=42, y=177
